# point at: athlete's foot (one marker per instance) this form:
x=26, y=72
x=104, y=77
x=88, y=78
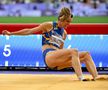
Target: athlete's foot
x=102, y=78
x=81, y=78
x=93, y=79
x=86, y=79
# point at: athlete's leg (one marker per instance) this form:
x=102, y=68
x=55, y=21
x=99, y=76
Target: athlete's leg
x=65, y=57
x=67, y=64
x=86, y=58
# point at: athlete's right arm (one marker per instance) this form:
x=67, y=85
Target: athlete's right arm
x=44, y=27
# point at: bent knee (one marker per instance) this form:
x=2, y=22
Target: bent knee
x=74, y=51
x=87, y=56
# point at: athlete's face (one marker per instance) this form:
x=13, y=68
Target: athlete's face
x=66, y=22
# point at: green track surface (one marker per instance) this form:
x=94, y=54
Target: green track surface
x=102, y=19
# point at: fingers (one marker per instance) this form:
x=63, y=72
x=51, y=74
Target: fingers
x=5, y=32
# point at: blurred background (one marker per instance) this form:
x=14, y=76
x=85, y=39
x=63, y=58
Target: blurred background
x=39, y=8
x=38, y=11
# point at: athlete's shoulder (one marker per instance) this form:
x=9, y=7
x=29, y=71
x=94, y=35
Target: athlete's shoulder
x=47, y=26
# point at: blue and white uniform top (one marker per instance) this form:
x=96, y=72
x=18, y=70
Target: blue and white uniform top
x=53, y=37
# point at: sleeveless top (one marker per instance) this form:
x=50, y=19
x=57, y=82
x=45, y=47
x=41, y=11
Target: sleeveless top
x=53, y=37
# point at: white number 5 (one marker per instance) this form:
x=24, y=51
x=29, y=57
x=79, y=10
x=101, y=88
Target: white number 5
x=7, y=51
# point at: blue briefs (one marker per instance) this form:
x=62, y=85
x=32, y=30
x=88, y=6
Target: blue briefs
x=45, y=52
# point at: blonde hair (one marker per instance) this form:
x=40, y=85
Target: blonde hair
x=64, y=14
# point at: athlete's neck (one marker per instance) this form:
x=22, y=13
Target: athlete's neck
x=59, y=24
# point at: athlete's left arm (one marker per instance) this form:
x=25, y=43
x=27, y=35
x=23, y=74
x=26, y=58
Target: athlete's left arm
x=64, y=37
